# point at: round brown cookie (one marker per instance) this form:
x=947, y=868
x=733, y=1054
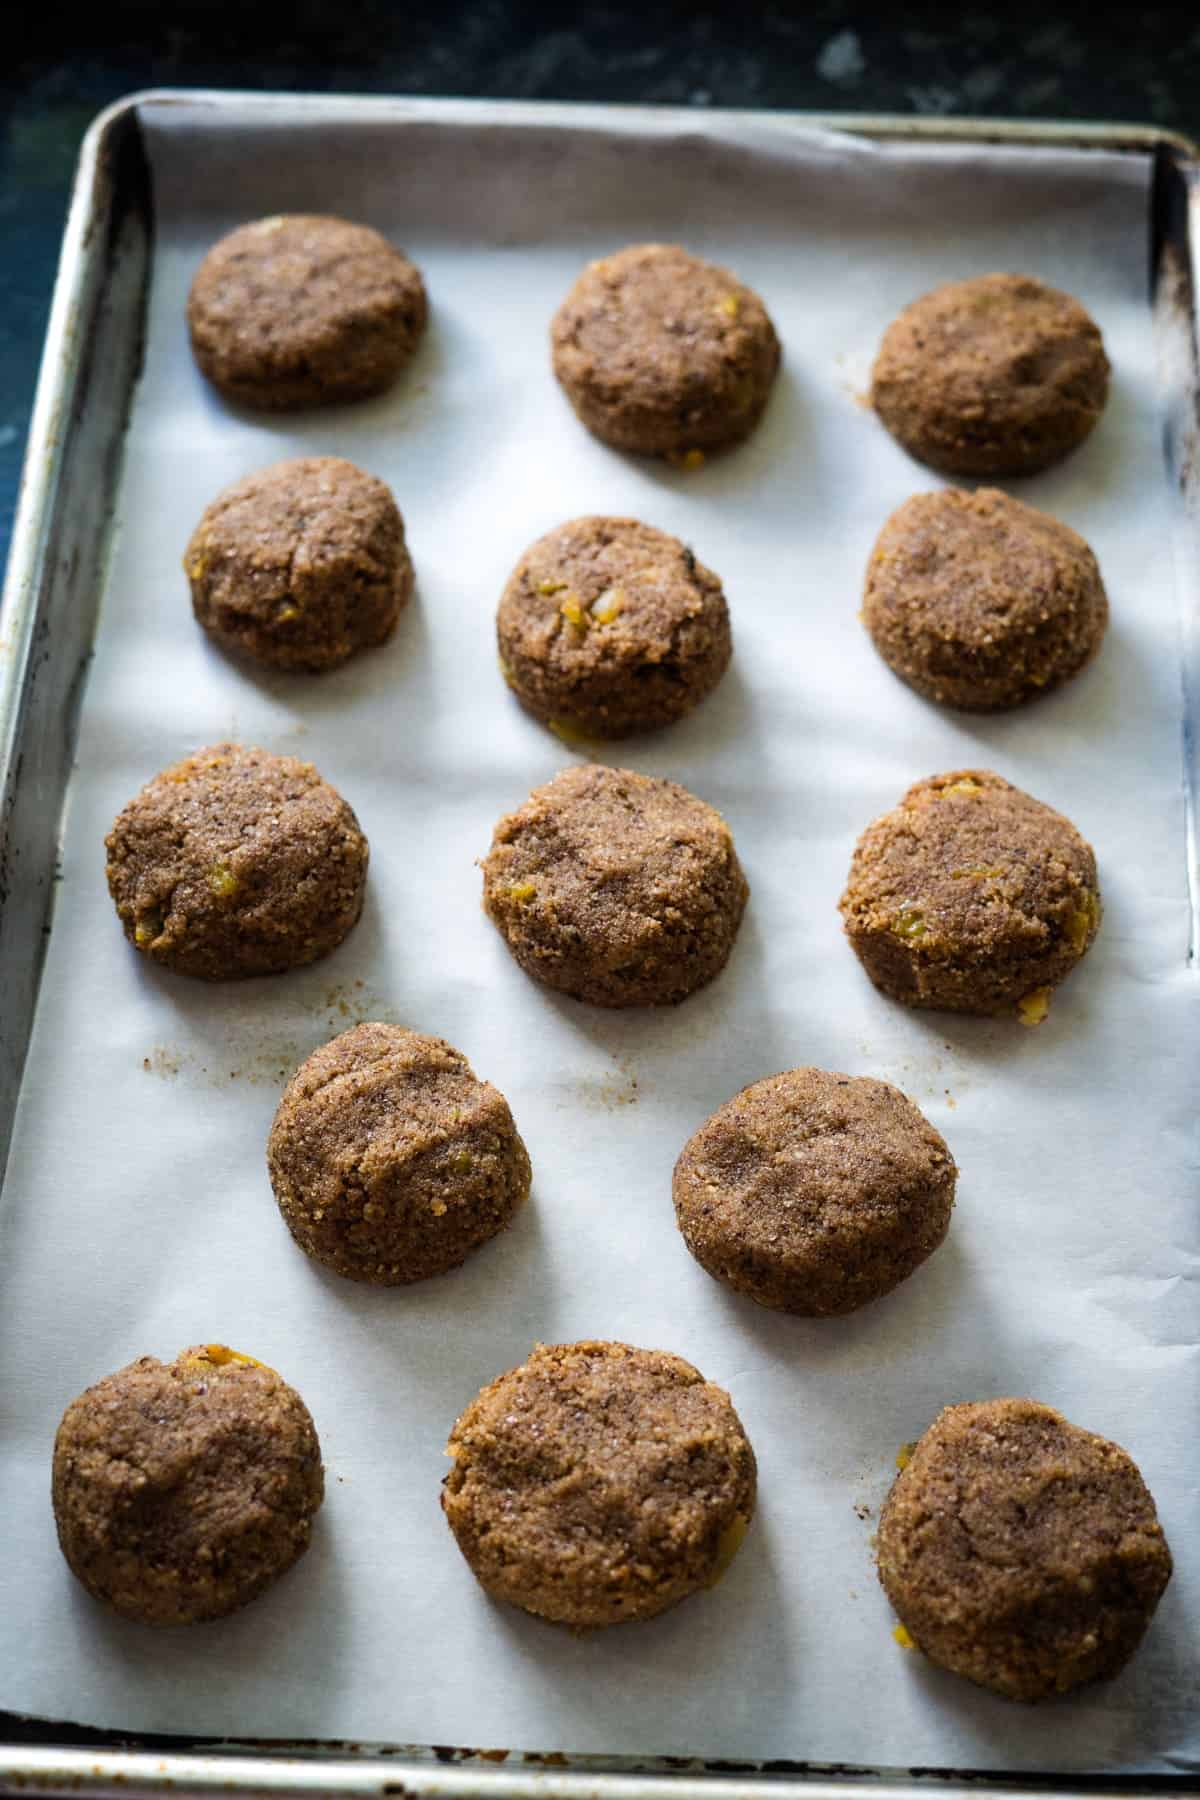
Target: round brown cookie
x=615, y=888
x=998, y=375
x=390, y=1160
x=300, y=564
x=814, y=1192
x=662, y=353
x=182, y=1490
x=971, y=896
x=978, y=601
x=608, y=627
x=1021, y=1551
x=598, y=1483
x=235, y=862
x=304, y=310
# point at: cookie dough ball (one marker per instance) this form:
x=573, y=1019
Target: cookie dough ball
x=235, y=862
x=391, y=1161
x=662, y=353
x=182, y=1490
x=304, y=310
x=814, y=1192
x=980, y=602
x=999, y=375
x=971, y=896
x=615, y=888
x=1021, y=1551
x=609, y=627
x=301, y=564
x=598, y=1483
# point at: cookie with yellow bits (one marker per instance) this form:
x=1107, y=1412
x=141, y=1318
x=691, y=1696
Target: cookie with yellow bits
x=609, y=627
x=183, y=1490
x=971, y=896
x=1020, y=1550
x=235, y=862
x=300, y=565
x=616, y=888
x=664, y=354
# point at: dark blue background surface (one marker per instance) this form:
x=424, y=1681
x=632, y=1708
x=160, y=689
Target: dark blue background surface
x=1017, y=60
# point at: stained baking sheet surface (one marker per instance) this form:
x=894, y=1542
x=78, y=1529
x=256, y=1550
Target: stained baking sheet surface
x=137, y=1215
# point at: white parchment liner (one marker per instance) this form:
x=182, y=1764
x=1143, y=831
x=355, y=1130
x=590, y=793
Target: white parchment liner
x=137, y=1215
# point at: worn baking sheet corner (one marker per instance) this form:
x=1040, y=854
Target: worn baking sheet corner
x=60, y=545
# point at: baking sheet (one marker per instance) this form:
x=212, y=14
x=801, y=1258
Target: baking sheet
x=137, y=1214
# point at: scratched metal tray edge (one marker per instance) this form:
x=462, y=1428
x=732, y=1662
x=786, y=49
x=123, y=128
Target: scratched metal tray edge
x=60, y=544
x=61, y=541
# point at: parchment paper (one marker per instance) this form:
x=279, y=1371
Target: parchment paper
x=138, y=1216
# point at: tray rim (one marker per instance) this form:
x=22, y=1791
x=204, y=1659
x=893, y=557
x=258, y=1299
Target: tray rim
x=285, y=1769
x=1128, y=137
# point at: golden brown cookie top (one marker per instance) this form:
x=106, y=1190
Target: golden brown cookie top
x=303, y=309
x=598, y=1483
x=662, y=352
x=236, y=862
x=300, y=564
x=967, y=853
x=813, y=1191
x=971, y=895
x=1020, y=1550
x=609, y=626
x=593, y=825
x=979, y=601
x=390, y=1159
x=618, y=888
x=181, y=1490
x=995, y=375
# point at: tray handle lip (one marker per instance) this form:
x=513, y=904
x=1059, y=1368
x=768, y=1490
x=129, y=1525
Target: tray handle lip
x=45, y=445
x=284, y=1776
x=1128, y=136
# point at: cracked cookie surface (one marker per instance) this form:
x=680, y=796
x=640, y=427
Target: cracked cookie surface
x=1020, y=1550
x=599, y=1483
x=390, y=1160
x=814, y=1192
x=235, y=862
x=616, y=888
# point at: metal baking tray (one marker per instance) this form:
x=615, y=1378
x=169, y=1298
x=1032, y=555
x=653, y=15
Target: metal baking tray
x=56, y=574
